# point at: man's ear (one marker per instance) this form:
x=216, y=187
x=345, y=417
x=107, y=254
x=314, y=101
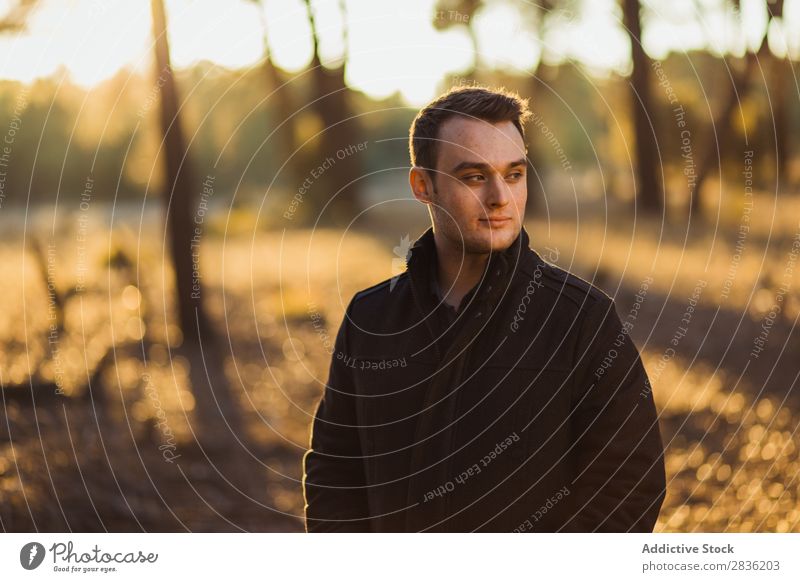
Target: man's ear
x=421, y=184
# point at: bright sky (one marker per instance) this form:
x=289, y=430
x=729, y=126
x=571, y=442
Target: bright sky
x=393, y=45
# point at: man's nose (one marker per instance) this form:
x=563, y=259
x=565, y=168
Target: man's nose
x=498, y=193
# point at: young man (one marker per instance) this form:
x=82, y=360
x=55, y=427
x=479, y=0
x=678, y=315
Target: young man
x=484, y=389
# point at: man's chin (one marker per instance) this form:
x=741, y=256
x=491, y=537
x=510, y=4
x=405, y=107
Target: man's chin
x=495, y=242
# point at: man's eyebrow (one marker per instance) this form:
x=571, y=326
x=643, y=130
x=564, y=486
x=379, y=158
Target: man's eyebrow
x=483, y=165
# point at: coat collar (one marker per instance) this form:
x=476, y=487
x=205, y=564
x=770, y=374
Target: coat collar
x=493, y=283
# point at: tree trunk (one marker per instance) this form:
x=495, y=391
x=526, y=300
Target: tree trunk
x=648, y=188
x=338, y=188
x=720, y=131
x=280, y=105
x=218, y=416
x=781, y=73
x=723, y=123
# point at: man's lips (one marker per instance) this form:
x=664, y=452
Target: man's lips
x=497, y=221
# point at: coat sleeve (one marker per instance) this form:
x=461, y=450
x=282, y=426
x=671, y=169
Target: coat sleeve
x=334, y=484
x=618, y=480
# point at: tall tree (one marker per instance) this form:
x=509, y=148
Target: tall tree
x=218, y=415
x=719, y=132
x=781, y=71
x=282, y=120
x=536, y=86
x=339, y=184
x=649, y=192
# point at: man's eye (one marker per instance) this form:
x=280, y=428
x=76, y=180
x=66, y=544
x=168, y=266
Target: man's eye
x=515, y=175
x=473, y=178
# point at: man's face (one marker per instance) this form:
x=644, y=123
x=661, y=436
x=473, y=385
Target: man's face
x=479, y=188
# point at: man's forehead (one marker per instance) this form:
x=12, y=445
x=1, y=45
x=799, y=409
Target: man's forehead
x=461, y=137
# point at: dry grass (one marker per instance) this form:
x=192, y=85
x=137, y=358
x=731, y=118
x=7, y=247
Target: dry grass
x=731, y=437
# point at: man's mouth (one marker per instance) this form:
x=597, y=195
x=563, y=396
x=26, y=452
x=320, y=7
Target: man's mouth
x=497, y=221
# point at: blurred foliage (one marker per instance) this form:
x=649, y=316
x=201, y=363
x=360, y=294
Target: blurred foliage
x=110, y=133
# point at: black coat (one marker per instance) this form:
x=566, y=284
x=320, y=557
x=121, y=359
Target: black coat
x=539, y=416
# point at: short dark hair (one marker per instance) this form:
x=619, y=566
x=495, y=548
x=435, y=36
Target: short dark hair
x=492, y=105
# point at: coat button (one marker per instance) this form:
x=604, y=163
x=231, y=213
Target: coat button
x=477, y=315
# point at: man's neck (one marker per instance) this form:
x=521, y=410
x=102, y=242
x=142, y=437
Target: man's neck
x=458, y=271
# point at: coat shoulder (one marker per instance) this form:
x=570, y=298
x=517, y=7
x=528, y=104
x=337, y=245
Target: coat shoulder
x=374, y=297
x=570, y=286
x=383, y=286
x=378, y=305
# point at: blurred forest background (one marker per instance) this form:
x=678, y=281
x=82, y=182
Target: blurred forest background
x=191, y=191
